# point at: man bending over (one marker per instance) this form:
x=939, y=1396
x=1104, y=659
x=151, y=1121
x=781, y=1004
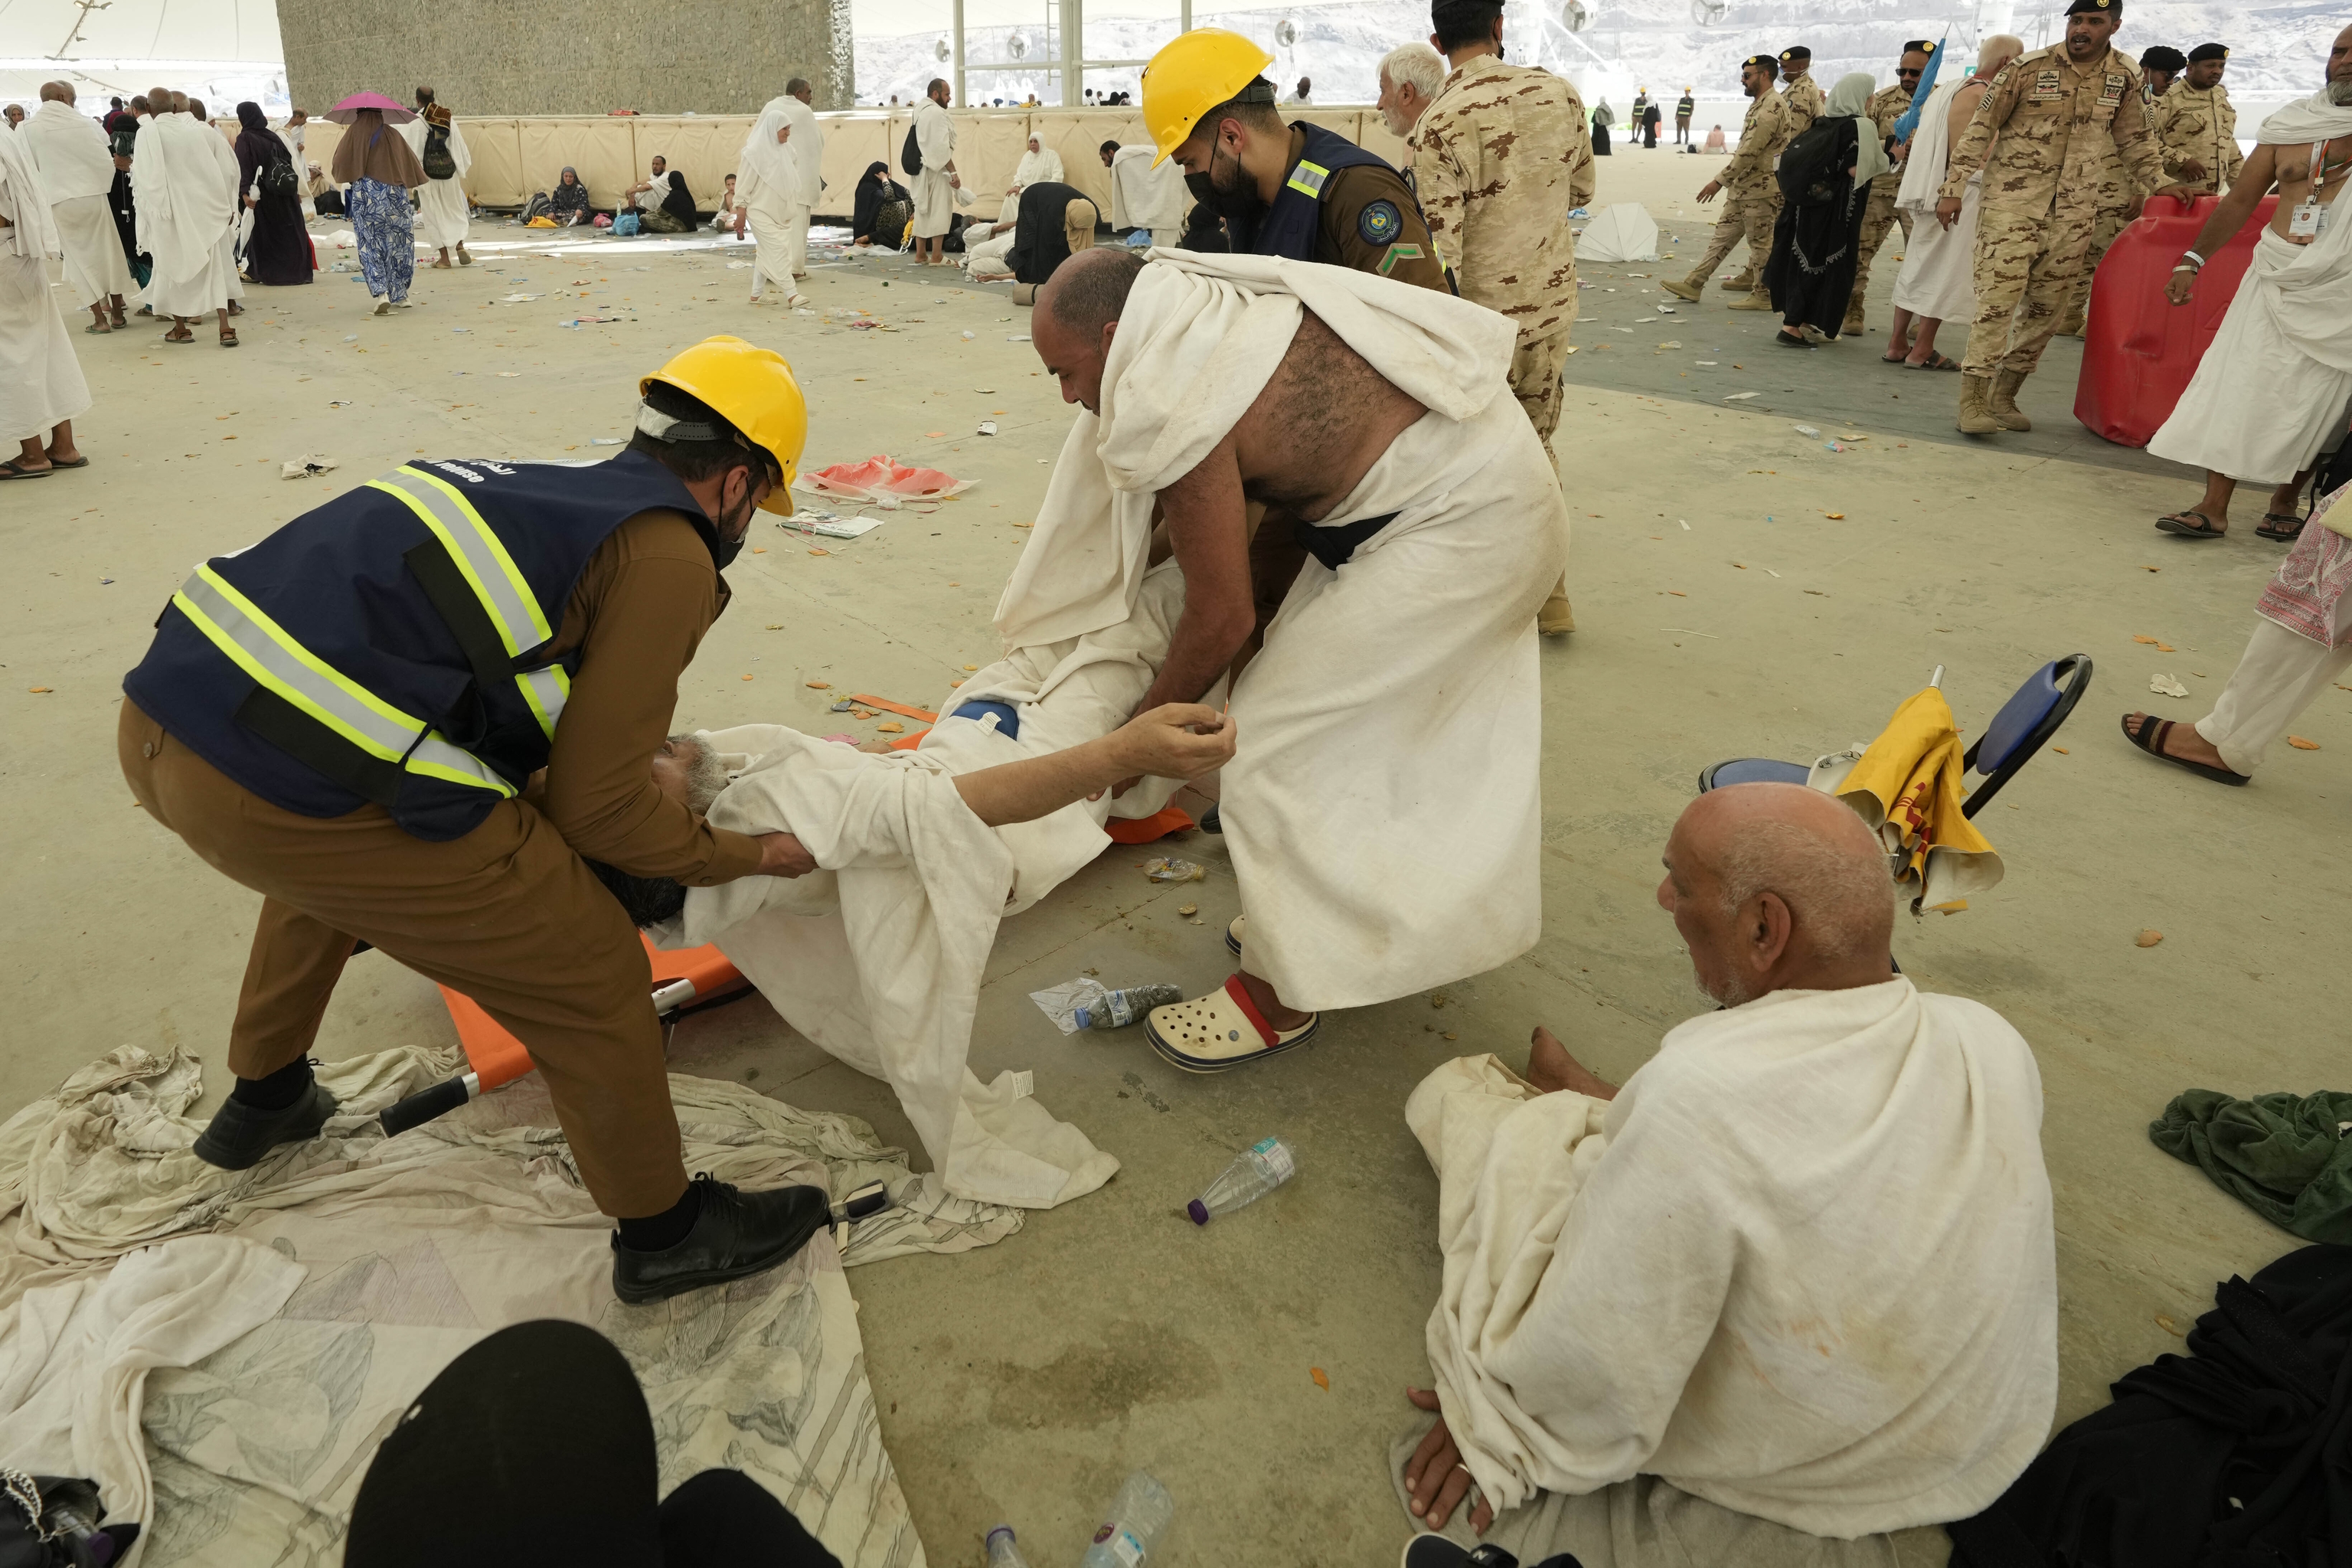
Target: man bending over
x=1795, y=1278
x=1383, y=815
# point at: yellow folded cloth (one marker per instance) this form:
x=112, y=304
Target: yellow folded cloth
x=1906, y=787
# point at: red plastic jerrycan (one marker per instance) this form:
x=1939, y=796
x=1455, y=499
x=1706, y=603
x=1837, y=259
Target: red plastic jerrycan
x=2139, y=350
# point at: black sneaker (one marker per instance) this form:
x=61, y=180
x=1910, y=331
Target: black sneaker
x=1436, y=1551
x=737, y=1233
x=240, y=1134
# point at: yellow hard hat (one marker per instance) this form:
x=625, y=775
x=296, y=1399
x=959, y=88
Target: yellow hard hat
x=753, y=389
x=1191, y=76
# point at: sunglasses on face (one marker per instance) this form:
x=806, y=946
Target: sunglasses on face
x=1912, y=74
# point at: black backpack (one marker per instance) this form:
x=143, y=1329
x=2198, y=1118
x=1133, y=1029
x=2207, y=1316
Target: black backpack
x=911, y=156
x=278, y=179
x=438, y=163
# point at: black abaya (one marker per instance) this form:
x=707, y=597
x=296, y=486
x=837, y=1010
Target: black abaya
x=278, y=251
x=1817, y=239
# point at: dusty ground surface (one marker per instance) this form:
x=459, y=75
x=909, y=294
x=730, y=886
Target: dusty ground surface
x=1019, y=1383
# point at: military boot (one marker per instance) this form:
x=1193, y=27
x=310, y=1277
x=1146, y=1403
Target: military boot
x=2003, y=402
x=1739, y=282
x=1758, y=298
x=2071, y=326
x=1688, y=288
x=1976, y=417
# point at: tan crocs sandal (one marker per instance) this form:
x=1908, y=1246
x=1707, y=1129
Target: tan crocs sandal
x=1221, y=1030
x=1233, y=935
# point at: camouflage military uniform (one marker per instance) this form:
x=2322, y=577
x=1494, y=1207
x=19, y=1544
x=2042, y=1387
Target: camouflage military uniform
x=1805, y=103
x=1884, y=108
x=2203, y=126
x=2056, y=123
x=1500, y=156
x=2119, y=195
x=1751, y=194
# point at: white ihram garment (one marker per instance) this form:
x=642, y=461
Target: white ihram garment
x=187, y=208
x=442, y=219
x=2271, y=388
x=40, y=380
x=1142, y=196
x=1939, y=276
x=778, y=186
x=878, y=957
x=1802, y=1265
x=934, y=197
x=76, y=169
x=1373, y=862
x=1043, y=166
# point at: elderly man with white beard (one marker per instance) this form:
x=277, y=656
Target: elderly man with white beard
x=1374, y=421
x=78, y=171
x=184, y=179
x=1789, y=1290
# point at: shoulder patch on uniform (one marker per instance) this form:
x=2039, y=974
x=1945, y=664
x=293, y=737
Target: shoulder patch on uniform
x=1399, y=253
x=1378, y=222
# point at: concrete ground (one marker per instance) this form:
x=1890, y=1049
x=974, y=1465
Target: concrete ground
x=1794, y=595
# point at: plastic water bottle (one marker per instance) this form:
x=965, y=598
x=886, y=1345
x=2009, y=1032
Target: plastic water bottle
x=1263, y=1167
x=1001, y=1551
x=1117, y=1009
x=1138, y=1517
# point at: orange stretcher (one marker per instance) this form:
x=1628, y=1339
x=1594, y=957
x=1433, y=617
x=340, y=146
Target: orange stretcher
x=685, y=983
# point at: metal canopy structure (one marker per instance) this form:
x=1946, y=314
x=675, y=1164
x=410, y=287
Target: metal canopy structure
x=1069, y=64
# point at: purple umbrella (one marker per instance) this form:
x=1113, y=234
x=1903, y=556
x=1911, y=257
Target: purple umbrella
x=346, y=112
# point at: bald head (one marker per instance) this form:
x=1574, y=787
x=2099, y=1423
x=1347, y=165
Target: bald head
x=1777, y=886
x=57, y=92
x=1998, y=51
x=1077, y=315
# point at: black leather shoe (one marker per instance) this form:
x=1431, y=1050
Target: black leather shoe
x=1436, y=1551
x=738, y=1234
x=240, y=1134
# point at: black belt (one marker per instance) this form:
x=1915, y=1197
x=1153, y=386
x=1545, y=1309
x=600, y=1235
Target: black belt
x=1333, y=546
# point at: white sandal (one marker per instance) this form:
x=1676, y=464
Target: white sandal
x=1221, y=1030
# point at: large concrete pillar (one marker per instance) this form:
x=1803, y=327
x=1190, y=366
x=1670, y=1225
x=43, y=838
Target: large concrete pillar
x=567, y=56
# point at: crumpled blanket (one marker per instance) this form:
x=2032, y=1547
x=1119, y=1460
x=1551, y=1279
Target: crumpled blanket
x=369, y=1263
x=2287, y=1157
x=878, y=956
x=877, y=477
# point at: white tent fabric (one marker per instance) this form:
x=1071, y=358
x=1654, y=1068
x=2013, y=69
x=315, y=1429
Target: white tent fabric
x=1626, y=232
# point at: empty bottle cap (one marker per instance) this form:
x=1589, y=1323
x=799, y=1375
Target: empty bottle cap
x=1199, y=1211
x=1085, y=1016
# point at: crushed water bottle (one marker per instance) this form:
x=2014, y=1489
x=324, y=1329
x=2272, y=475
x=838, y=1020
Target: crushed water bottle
x=1139, y=1519
x=1117, y=1009
x=1001, y=1550
x=1263, y=1167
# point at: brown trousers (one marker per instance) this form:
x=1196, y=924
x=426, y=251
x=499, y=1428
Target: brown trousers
x=507, y=914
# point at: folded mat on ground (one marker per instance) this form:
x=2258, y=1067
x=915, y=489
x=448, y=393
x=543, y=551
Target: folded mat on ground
x=2287, y=1157
x=227, y=1384
x=2228, y=1456
x=878, y=476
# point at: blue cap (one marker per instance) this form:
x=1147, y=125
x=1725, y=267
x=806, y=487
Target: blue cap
x=1085, y=1017
x=1199, y=1211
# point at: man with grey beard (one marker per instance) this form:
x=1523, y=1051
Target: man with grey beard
x=1674, y=1301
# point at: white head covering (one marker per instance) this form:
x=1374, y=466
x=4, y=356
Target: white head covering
x=768, y=160
x=2316, y=119
x=35, y=231
x=1850, y=100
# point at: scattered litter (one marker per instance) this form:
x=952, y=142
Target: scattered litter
x=1685, y=523
x=829, y=524
x=818, y=685
x=2300, y=744
x=870, y=701
x=302, y=468
x=1666, y=310
x=1686, y=631
x=1016, y=337
x=509, y=376
x=520, y=298
x=603, y=440
x=1322, y=1380
x=988, y=427
x=1188, y=909
x=2062, y=750
x=1805, y=430
x=1709, y=363
x=2167, y=685
x=891, y=727
x=37, y=690
x=352, y=339
x=340, y=402
x=1740, y=397
x=1167, y=871
x=878, y=478
x=968, y=335
x=2148, y=939
x=985, y=391
x=1670, y=343
x=1834, y=516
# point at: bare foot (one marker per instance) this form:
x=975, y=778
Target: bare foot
x=1550, y=1068
x=2181, y=740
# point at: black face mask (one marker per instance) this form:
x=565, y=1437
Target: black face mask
x=724, y=549
x=1241, y=208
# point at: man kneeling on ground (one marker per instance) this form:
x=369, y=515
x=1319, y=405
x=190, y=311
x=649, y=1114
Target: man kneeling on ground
x=1795, y=1280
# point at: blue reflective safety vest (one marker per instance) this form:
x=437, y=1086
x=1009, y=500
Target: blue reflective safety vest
x=1291, y=224
x=390, y=645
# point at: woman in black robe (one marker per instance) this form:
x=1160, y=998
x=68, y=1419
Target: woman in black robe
x=1602, y=116
x=1825, y=176
x=876, y=191
x=278, y=252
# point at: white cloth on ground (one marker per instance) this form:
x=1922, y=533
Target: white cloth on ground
x=1939, y=276
x=1043, y=165
x=43, y=383
x=1142, y=196
x=183, y=184
x=415, y=1248
x=1802, y=1265
x=96, y=268
x=1416, y=653
x=74, y=156
x=75, y=1357
x=934, y=197
x=878, y=958
x=442, y=218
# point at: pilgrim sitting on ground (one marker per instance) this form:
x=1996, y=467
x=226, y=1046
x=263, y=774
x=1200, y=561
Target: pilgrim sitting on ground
x=1792, y=1288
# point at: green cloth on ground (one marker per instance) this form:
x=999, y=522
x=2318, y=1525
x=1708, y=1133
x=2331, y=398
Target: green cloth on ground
x=2286, y=1157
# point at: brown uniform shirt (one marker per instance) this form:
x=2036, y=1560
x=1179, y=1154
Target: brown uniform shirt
x=2056, y=123
x=1407, y=254
x=638, y=613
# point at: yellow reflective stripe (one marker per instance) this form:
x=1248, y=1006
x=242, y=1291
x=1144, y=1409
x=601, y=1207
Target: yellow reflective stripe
x=546, y=690
x=471, y=542
x=1308, y=177
x=262, y=648
x=516, y=583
